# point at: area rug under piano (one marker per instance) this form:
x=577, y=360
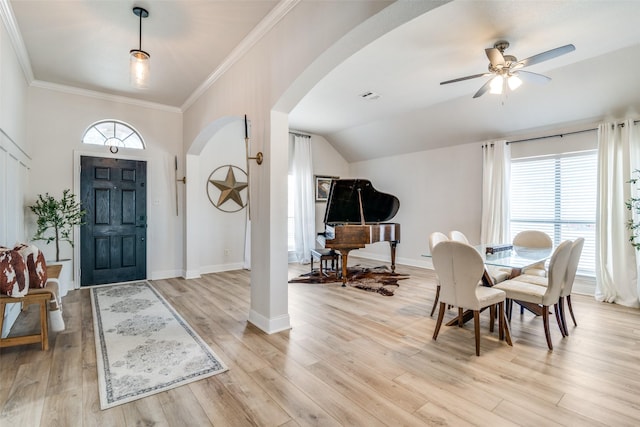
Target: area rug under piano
x=376, y=279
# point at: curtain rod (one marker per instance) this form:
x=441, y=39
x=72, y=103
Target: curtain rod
x=300, y=134
x=564, y=134
x=552, y=136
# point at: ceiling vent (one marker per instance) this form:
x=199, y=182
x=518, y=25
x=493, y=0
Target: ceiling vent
x=370, y=95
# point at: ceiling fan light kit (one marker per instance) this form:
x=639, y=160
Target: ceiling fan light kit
x=506, y=71
x=139, y=66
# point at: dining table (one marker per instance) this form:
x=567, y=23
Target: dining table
x=514, y=259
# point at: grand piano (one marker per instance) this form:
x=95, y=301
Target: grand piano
x=356, y=216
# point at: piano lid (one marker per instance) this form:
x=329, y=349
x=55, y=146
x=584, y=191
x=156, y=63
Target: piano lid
x=343, y=205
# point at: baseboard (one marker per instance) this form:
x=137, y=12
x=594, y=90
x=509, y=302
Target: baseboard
x=270, y=326
x=412, y=262
x=166, y=274
x=221, y=267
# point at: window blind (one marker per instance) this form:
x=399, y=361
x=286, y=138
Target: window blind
x=557, y=195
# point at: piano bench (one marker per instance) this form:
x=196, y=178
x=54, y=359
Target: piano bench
x=325, y=255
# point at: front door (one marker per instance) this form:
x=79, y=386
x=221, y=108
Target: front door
x=113, y=238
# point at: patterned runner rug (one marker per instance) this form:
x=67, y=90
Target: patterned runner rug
x=143, y=346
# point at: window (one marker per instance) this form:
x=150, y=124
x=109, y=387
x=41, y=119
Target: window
x=557, y=195
x=112, y=133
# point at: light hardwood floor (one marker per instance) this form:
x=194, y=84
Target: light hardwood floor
x=352, y=358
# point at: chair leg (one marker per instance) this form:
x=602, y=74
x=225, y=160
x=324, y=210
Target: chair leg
x=509, y=308
x=545, y=320
x=563, y=316
x=435, y=302
x=558, y=313
x=460, y=317
x=503, y=324
x=492, y=316
x=439, y=322
x=500, y=320
x=571, y=310
x=476, y=329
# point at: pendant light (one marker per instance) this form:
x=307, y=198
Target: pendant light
x=139, y=62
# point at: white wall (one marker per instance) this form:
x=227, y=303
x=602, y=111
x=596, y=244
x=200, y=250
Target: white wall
x=14, y=150
x=57, y=122
x=439, y=190
x=14, y=157
x=573, y=142
x=13, y=89
x=221, y=234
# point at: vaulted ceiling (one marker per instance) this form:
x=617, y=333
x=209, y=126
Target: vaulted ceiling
x=85, y=45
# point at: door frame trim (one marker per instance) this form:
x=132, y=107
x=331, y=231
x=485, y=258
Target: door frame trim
x=76, y=192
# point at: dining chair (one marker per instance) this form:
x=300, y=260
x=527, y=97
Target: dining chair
x=534, y=239
x=498, y=274
x=460, y=267
x=544, y=296
x=435, y=238
x=572, y=268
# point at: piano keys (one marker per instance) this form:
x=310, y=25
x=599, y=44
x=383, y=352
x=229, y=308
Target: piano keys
x=356, y=216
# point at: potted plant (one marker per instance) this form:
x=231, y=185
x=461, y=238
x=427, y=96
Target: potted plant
x=55, y=220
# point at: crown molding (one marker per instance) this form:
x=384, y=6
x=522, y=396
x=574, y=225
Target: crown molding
x=263, y=27
x=104, y=96
x=9, y=20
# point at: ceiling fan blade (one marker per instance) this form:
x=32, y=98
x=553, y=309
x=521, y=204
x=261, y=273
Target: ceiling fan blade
x=544, y=56
x=495, y=57
x=485, y=87
x=532, y=77
x=475, y=76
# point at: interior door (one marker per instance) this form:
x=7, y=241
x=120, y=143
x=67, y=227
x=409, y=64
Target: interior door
x=113, y=238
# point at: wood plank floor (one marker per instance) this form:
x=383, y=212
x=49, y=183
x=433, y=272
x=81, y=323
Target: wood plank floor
x=352, y=358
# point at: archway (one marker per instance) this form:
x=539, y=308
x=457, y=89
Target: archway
x=267, y=92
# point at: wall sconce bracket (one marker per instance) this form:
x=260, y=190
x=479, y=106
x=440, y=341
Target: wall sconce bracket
x=258, y=158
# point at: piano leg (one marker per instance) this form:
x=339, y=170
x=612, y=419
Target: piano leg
x=344, y=254
x=393, y=245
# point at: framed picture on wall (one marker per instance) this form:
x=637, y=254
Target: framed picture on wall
x=323, y=185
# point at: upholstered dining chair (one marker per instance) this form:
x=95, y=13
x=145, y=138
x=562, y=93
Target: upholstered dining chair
x=458, y=236
x=572, y=268
x=543, y=296
x=534, y=239
x=460, y=267
x=498, y=274
x=435, y=238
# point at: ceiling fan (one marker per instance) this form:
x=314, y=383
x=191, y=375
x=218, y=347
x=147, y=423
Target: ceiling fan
x=506, y=70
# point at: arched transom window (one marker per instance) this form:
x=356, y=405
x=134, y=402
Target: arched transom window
x=113, y=134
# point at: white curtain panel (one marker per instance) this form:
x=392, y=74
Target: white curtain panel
x=304, y=211
x=496, y=167
x=616, y=258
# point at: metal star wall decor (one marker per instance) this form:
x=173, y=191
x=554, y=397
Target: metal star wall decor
x=229, y=189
